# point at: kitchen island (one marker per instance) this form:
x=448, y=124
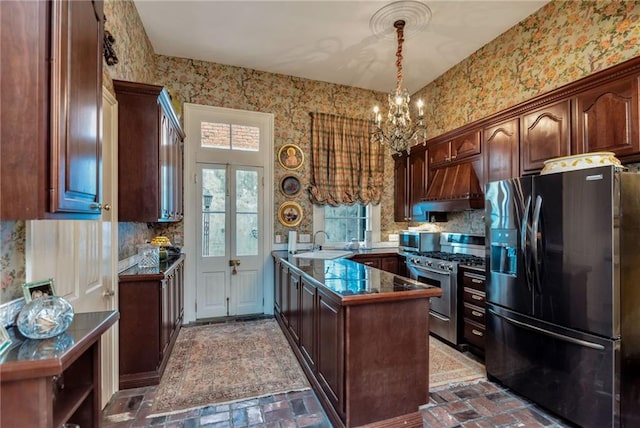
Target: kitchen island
x=360, y=334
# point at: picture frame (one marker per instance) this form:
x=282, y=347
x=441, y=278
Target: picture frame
x=290, y=214
x=290, y=157
x=5, y=340
x=33, y=290
x=290, y=186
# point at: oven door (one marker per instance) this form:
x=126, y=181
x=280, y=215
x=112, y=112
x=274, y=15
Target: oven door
x=441, y=309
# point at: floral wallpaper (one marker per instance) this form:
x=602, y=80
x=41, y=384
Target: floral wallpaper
x=562, y=42
x=12, y=260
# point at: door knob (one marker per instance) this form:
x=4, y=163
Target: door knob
x=108, y=293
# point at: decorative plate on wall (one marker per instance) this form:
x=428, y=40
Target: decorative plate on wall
x=290, y=157
x=290, y=214
x=290, y=186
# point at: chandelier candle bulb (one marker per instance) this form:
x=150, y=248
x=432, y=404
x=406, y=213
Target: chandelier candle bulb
x=420, y=108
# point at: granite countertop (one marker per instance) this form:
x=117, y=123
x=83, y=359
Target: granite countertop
x=159, y=270
x=355, y=282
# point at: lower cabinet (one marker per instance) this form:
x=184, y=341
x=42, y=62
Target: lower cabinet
x=473, y=310
x=361, y=365
x=388, y=262
x=151, y=312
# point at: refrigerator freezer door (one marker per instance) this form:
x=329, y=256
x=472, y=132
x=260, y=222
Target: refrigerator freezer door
x=507, y=214
x=569, y=373
x=572, y=245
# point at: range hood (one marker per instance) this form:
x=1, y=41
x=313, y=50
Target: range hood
x=454, y=188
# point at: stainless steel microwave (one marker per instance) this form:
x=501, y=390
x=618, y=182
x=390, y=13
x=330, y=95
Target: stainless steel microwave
x=415, y=241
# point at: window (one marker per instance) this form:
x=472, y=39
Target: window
x=229, y=136
x=345, y=222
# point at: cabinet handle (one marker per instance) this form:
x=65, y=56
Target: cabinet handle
x=368, y=263
x=453, y=157
x=476, y=313
x=476, y=332
x=476, y=281
x=475, y=297
x=100, y=207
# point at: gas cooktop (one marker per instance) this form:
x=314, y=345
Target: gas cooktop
x=463, y=259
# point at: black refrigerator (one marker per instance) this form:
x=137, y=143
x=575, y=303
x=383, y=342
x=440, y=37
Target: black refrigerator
x=563, y=292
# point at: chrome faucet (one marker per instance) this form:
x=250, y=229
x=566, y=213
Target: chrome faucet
x=314, y=246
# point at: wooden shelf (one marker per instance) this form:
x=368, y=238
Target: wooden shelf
x=68, y=401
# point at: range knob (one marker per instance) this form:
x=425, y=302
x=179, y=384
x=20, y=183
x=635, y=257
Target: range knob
x=428, y=263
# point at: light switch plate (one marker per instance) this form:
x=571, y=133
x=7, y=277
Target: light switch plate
x=304, y=237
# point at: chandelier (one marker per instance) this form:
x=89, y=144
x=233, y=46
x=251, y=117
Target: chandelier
x=398, y=130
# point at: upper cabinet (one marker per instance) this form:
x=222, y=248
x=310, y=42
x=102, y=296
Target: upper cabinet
x=501, y=150
x=50, y=104
x=607, y=119
x=545, y=134
x=410, y=172
x=456, y=149
x=150, y=154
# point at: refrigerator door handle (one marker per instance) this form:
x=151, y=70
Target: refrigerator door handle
x=535, y=225
x=523, y=242
x=558, y=336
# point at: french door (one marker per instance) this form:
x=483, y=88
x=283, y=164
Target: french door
x=230, y=232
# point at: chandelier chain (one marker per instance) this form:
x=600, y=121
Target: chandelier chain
x=400, y=29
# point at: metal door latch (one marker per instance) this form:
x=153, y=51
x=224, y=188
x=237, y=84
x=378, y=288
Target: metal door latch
x=235, y=264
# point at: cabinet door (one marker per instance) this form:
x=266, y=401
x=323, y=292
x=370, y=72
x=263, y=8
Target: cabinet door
x=607, y=119
x=165, y=317
x=501, y=151
x=439, y=153
x=401, y=189
x=277, y=286
x=76, y=100
x=330, y=354
x=389, y=263
x=545, y=135
x=294, y=305
x=284, y=284
x=417, y=179
x=466, y=145
x=307, y=322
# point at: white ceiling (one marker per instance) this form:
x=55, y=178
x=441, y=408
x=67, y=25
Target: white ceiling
x=326, y=40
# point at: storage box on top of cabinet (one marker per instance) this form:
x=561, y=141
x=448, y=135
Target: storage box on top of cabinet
x=150, y=152
x=50, y=104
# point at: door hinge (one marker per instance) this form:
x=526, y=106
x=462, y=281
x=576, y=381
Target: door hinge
x=195, y=178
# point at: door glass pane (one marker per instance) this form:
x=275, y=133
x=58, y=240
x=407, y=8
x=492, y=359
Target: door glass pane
x=214, y=185
x=229, y=136
x=247, y=213
x=215, y=135
x=245, y=138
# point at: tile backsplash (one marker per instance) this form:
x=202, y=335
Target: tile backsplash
x=471, y=222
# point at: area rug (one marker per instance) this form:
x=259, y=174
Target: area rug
x=448, y=366
x=223, y=363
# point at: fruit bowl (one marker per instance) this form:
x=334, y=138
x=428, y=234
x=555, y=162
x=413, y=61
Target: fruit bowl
x=583, y=161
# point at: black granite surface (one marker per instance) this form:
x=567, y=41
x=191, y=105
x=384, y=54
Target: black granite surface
x=349, y=278
x=163, y=267
x=24, y=349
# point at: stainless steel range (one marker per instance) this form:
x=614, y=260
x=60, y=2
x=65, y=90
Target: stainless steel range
x=440, y=269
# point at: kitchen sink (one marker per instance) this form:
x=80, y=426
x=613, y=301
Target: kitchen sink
x=323, y=254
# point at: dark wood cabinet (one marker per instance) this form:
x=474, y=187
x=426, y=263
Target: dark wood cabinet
x=151, y=314
x=347, y=345
x=454, y=150
x=51, y=96
x=65, y=386
x=473, y=309
x=410, y=185
x=293, y=311
x=308, y=322
x=501, y=143
x=150, y=154
x=607, y=119
x=388, y=262
x=546, y=134
x=330, y=354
